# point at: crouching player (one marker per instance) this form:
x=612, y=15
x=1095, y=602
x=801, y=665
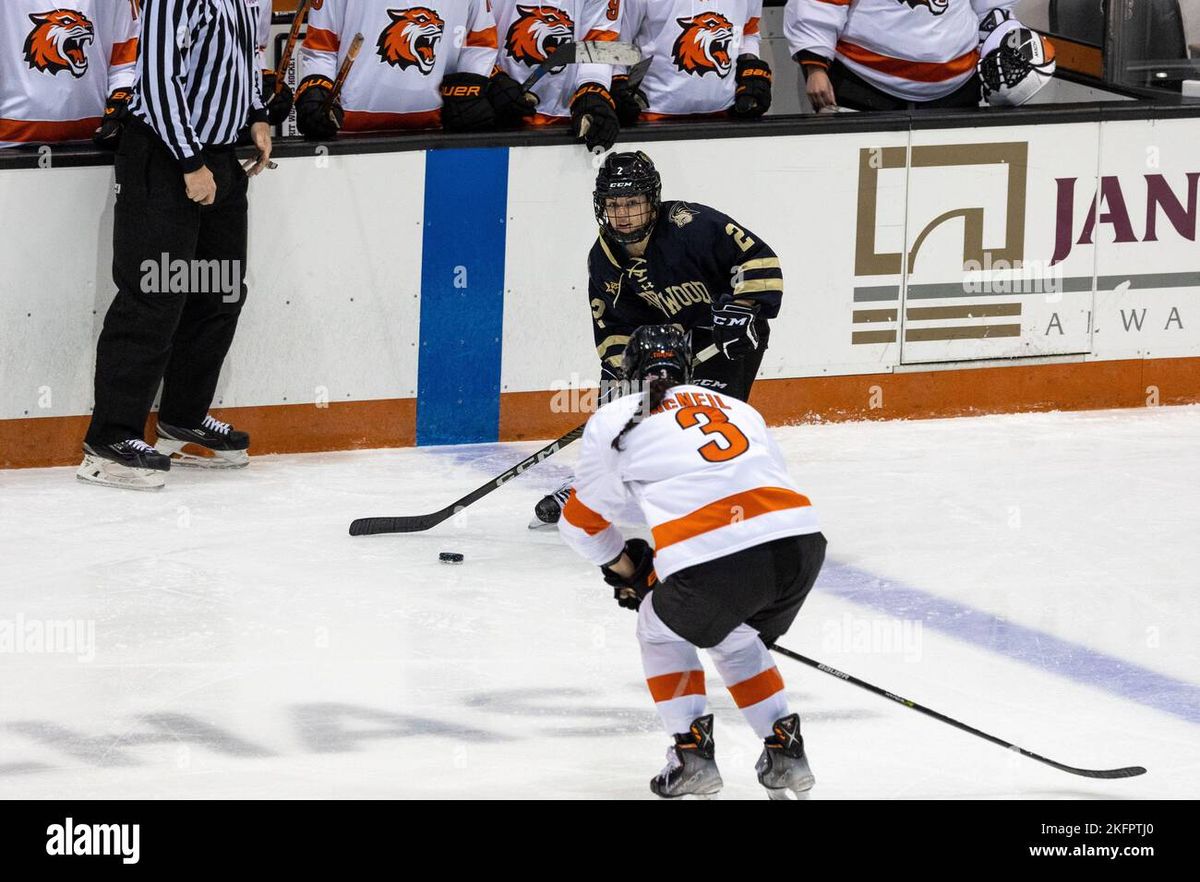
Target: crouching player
x=737, y=549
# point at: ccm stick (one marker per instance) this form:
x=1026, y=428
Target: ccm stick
x=420, y=523
x=1126, y=772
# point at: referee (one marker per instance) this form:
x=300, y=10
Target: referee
x=179, y=243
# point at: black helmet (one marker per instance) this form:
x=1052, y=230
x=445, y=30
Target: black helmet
x=658, y=350
x=627, y=174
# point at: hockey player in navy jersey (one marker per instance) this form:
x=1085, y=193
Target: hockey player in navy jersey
x=674, y=262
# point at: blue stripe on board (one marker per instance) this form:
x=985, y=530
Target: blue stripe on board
x=462, y=296
x=1052, y=654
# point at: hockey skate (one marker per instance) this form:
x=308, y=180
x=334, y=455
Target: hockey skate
x=214, y=445
x=549, y=509
x=691, y=768
x=131, y=465
x=783, y=766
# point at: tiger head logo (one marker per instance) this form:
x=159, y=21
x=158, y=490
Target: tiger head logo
x=537, y=33
x=59, y=41
x=937, y=7
x=703, y=47
x=412, y=38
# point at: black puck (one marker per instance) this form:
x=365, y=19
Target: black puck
x=450, y=557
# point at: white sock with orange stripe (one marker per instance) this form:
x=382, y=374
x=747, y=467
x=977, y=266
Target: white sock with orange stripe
x=749, y=672
x=673, y=671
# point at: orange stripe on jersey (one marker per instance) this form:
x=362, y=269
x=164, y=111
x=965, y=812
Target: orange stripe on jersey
x=579, y=515
x=917, y=71
x=598, y=36
x=124, y=53
x=835, y=2
x=371, y=121
x=544, y=119
x=19, y=130
x=668, y=686
x=723, y=512
x=758, y=688
x=321, y=40
x=485, y=38
x=751, y=27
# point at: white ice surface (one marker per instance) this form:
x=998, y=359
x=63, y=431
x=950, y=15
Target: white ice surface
x=1041, y=570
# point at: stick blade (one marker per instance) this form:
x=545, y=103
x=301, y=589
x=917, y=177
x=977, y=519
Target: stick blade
x=414, y=524
x=596, y=52
x=1126, y=772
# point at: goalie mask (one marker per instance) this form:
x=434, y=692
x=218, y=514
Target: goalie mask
x=1015, y=63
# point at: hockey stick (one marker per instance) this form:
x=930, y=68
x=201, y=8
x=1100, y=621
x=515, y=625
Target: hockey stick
x=343, y=72
x=420, y=523
x=584, y=53
x=1126, y=772
x=289, y=47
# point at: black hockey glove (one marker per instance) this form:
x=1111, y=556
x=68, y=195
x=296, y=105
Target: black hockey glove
x=509, y=101
x=733, y=329
x=278, y=105
x=465, y=104
x=594, y=116
x=116, y=111
x=753, y=95
x=630, y=592
x=313, y=121
x=630, y=102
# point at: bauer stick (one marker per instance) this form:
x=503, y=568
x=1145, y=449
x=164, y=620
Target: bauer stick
x=290, y=46
x=420, y=523
x=1126, y=772
x=343, y=72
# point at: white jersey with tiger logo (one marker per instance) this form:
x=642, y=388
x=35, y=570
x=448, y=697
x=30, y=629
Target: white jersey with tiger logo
x=702, y=468
x=915, y=50
x=407, y=49
x=695, y=46
x=531, y=31
x=58, y=65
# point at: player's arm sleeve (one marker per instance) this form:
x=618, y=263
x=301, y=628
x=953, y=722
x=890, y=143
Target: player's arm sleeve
x=609, y=328
x=812, y=28
x=751, y=37
x=322, y=42
x=633, y=14
x=596, y=497
x=480, y=46
x=753, y=266
x=983, y=7
x=601, y=22
x=123, y=61
x=162, y=94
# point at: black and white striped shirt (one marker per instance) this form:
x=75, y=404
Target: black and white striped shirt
x=197, y=82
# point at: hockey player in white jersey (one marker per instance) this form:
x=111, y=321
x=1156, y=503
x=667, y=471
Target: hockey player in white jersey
x=421, y=66
x=66, y=71
x=530, y=31
x=737, y=550
x=889, y=54
x=704, y=60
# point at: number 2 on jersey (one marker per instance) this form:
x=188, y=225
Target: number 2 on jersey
x=715, y=423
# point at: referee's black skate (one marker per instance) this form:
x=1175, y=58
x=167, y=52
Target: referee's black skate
x=549, y=508
x=213, y=445
x=132, y=465
x=783, y=766
x=691, y=768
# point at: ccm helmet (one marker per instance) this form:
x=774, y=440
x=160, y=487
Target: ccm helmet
x=658, y=351
x=627, y=174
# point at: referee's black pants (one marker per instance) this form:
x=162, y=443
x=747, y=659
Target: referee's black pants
x=154, y=333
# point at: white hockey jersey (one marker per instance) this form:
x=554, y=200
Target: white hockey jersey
x=407, y=49
x=916, y=50
x=703, y=469
x=694, y=45
x=59, y=64
x=529, y=31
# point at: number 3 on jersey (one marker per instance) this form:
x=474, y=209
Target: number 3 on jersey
x=714, y=423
